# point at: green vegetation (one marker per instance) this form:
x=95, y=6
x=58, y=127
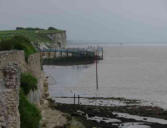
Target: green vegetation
x=28, y=82
x=18, y=43
x=52, y=28
x=30, y=115
x=33, y=34
x=28, y=28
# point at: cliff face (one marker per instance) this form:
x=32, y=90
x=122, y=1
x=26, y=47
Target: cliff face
x=58, y=39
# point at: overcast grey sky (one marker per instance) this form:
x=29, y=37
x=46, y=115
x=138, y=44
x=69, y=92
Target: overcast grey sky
x=93, y=20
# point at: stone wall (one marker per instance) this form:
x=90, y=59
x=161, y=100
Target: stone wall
x=13, y=56
x=9, y=93
x=33, y=65
x=10, y=83
x=58, y=39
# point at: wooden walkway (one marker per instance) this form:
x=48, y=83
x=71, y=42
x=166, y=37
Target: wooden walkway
x=79, y=52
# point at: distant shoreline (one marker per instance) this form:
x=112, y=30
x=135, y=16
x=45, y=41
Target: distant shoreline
x=115, y=44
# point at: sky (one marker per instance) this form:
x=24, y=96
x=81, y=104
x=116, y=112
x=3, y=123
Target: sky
x=91, y=20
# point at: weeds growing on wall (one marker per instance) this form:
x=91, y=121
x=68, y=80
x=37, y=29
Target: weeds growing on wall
x=30, y=115
x=28, y=83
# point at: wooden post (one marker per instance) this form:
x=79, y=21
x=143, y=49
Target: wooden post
x=67, y=53
x=49, y=55
x=55, y=54
x=78, y=99
x=97, y=84
x=61, y=53
x=74, y=98
x=102, y=53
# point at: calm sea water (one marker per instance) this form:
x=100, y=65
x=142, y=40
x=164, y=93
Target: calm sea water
x=135, y=72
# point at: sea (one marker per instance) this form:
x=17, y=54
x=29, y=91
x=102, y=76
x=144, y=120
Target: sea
x=127, y=71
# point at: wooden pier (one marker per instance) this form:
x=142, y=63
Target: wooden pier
x=96, y=52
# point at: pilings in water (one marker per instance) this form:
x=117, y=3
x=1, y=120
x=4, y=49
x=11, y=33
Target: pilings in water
x=78, y=99
x=75, y=97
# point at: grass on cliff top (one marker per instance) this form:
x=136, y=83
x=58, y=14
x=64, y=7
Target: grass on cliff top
x=18, y=43
x=32, y=35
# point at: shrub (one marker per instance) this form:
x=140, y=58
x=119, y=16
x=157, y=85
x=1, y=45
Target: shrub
x=52, y=28
x=28, y=82
x=28, y=28
x=19, y=28
x=30, y=115
x=18, y=43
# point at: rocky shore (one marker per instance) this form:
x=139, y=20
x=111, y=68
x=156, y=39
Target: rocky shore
x=58, y=115
x=116, y=117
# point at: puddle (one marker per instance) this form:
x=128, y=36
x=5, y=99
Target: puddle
x=133, y=125
x=141, y=118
